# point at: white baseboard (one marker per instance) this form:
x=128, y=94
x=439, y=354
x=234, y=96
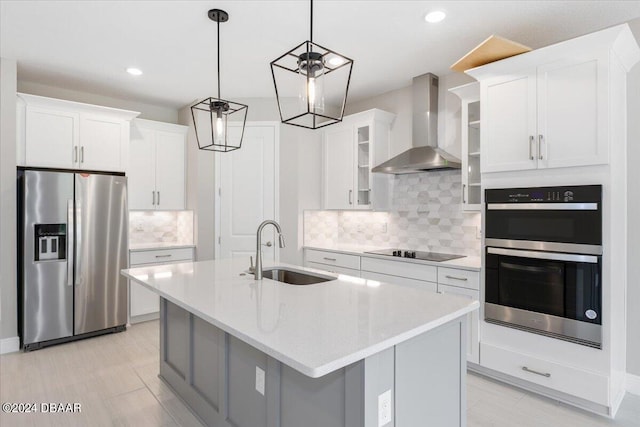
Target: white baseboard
x=633, y=384
x=9, y=345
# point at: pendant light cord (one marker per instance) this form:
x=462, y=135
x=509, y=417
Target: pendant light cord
x=218, y=59
x=311, y=19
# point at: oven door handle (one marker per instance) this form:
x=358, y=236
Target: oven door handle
x=528, y=268
x=553, y=256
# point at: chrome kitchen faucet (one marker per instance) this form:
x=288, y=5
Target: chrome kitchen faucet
x=258, y=268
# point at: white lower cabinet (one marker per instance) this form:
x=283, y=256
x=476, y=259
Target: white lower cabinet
x=398, y=280
x=449, y=280
x=332, y=262
x=333, y=268
x=473, y=320
x=573, y=381
x=465, y=283
x=144, y=304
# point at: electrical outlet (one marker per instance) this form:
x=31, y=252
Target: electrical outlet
x=259, y=380
x=478, y=233
x=384, y=408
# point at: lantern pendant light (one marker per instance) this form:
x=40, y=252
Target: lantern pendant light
x=311, y=84
x=212, y=116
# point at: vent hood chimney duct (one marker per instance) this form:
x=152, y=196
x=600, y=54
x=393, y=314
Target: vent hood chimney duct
x=425, y=154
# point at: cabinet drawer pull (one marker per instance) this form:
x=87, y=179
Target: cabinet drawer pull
x=163, y=256
x=456, y=278
x=542, y=374
x=540, y=141
x=531, y=142
x=330, y=259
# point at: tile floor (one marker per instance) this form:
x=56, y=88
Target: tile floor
x=114, y=378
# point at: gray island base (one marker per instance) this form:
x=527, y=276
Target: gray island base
x=229, y=383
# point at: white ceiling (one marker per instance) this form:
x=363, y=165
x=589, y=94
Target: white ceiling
x=86, y=45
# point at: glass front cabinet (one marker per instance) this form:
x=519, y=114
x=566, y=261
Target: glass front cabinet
x=469, y=95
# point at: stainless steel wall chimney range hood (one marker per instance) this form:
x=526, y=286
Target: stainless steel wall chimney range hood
x=425, y=154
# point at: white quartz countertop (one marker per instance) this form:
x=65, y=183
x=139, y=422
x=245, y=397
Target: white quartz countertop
x=467, y=263
x=314, y=329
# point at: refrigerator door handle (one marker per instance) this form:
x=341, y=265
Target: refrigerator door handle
x=70, y=241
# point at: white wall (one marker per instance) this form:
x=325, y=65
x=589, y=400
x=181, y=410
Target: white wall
x=147, y=111
x=633, y=213
x=8, y=297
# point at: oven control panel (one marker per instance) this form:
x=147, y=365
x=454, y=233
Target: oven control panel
x=565, y=194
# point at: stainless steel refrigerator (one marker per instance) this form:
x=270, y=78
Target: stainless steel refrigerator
x=72, y=245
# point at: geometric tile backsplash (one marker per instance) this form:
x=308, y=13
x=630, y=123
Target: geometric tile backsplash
x=161, y=227
x=425, y=215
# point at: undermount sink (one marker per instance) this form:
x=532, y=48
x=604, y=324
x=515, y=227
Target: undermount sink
x=294, y=277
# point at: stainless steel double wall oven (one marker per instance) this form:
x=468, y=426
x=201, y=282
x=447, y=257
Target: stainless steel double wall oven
x=544, y=261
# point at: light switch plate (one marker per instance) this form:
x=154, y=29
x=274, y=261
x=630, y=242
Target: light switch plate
x=259, y=380
x=384, y=408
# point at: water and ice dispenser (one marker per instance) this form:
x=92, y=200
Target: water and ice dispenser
x=50, y=242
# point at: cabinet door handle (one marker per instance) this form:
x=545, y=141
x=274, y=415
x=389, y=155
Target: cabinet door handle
x=350, y=197
x=464, y=186
x=543, y=374
x=82, y=154
x=158, y=197
x=75, y=154
x=153, y=197
x=329, y=259
x=456, y=278
x=540, y=141
x=532, y=141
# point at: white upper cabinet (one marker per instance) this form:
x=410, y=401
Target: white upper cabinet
x=350, y=150
x=52, y=136
x=551, y=107
x=157, y=166
x=469, y=95
x=338, y=167
x=71, y=135
x=509, y=125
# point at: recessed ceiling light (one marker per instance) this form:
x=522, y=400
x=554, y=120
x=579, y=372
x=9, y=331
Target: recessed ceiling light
x=435, y=16
x=134, y=71
x=336, y=60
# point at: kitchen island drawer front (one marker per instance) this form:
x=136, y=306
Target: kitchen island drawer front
x=161, y=256
x=460, y=278
x=333, y=258
x=333, y=269
x=427, y=273
x=397, y=280
x=576, y=382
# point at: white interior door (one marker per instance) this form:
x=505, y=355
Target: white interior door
x=247, y=193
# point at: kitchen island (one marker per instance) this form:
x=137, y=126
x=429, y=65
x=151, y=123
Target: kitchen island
x=345, y=352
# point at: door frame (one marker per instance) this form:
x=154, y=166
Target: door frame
x=276, y=185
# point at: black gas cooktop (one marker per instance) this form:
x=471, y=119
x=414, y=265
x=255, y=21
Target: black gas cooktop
x=427, y=256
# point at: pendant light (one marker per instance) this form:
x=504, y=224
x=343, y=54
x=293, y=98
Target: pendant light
x=212, y=116
x=311, y=84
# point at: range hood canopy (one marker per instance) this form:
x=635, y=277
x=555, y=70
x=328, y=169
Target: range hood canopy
x=424, y=156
